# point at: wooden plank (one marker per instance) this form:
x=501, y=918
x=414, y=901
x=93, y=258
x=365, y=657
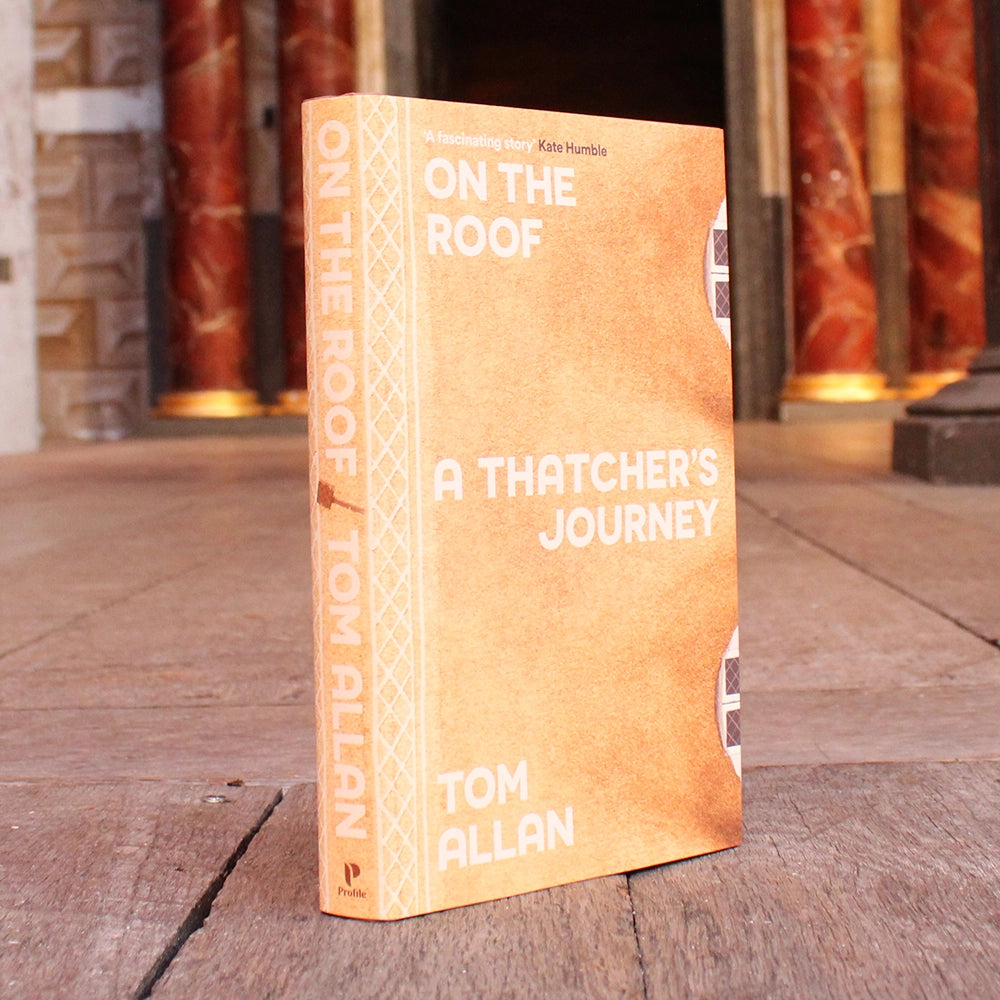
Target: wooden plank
x=943, y=562
x=907, y=724
x=849, y=452
x=175, y=574
x=77, y=538
x=809, y=621
x=96, y=881
x=940, y=547
x=265, y=743
x=266, y=937
x=216, y=634
x=838, y=666
x=867, y=881
x=812, y=451
x=978, y=505
x=50, y=675
x=47, y=495
x=44, y=591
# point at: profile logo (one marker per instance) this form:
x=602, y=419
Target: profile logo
x=352, y=873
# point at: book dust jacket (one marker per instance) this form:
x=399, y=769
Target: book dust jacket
x=523, y=515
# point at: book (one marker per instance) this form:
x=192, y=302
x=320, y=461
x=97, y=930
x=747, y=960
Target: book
x=522, y=499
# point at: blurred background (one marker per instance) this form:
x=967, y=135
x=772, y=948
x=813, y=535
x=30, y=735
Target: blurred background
x=836, y=131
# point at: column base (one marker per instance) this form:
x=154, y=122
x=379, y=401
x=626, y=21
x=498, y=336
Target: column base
x=954, y=435
x=210, y=403
x=920, y=385
x=836, y=387
x=960, y=450
x=293, y=402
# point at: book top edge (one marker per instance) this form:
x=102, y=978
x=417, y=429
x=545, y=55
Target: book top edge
x=505, y=109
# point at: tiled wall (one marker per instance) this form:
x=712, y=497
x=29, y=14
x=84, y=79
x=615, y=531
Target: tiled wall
x=96, y=121
x=98, y=181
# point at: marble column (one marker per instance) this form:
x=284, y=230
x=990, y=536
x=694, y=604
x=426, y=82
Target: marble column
x=947, y=317
x=206, y=207
x=835, y=323
x=954, y=435
x=316, y=59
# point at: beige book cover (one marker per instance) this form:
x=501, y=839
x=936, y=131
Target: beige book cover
x=523, y=517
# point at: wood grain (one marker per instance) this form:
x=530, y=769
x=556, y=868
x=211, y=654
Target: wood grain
x=96, y=881
x=851, y=726
x=867, y=881
x=266, y=937
x=261, y=743
x=858, y=593
x=80, y=535
x=935, y=559
x=849, y=631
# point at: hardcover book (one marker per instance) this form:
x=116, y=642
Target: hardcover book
x=523, y=515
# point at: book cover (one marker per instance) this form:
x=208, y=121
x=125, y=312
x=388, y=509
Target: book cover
x=523, y=515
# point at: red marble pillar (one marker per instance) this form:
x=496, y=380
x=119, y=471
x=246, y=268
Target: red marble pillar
x=833, y=282
x=317, y=59
x=947, y=310
x=208, y=251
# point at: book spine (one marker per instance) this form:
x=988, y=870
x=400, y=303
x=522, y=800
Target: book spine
x=364, y=496
x=338, y=509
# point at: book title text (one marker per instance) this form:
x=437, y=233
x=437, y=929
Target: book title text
x=472, y=235
x=606, y=472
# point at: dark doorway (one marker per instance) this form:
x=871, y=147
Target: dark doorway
x=657, y=61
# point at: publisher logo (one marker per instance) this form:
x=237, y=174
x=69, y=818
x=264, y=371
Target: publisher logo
x=352, y=873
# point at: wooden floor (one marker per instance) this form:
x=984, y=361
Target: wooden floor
x=157, y=830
